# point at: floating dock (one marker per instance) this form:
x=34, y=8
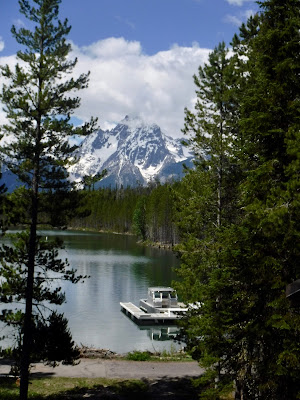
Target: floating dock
x=141, y=317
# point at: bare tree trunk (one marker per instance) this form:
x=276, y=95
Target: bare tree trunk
x=27, y=333
x=238, y=391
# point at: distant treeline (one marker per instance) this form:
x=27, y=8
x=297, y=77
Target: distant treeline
x=145, y=211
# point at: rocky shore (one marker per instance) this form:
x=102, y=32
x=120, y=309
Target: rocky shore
x=90, y=352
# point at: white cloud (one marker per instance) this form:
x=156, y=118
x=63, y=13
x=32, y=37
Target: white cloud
x=239, y=2
x=124, y=80
x=248, y=13
x=11, y=62
x=237, y=20
x=110, y=48
x=233, y=19
x=1, y=44
x=125, y=21
x=19, y=23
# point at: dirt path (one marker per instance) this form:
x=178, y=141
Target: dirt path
x=95, y=368
x=163, y=380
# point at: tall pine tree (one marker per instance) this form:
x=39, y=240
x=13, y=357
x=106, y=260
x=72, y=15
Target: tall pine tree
x=38, y=107
x=266, y=244
x=206, y=205
x=248, y=332
x=211, y=128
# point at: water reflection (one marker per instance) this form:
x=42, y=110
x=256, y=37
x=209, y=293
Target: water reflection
x=159, y=332
x=119, y=270
x=162, y=333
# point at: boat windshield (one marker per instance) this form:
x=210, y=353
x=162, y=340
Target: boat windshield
x=164, y=294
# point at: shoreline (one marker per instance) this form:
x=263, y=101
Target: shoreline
x=147, y=243
x=92, y=353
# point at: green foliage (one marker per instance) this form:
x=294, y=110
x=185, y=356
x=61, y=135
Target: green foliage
x=144, y=211
x=139, y=219
x=39, y=99
x=90, y=181
x=51, y=341
x=211, y=130
x=63, y=388
x=240, y=247
x=159, y=216
x=138, y=356
x=14, y=261
x=37, y=107
x=106, y=209
x=59, y=345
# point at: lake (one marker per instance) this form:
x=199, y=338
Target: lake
x=119, y=270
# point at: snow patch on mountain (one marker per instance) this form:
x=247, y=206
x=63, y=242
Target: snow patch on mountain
x=133, y=152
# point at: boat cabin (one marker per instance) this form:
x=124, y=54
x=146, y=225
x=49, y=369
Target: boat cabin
x=162, y=297
x=161, y=306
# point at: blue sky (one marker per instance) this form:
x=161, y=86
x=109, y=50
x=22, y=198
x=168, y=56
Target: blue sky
x=142, y=54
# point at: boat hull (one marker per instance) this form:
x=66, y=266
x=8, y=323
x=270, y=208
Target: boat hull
x=145, y=316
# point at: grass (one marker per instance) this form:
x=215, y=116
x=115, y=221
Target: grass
x=138, y=356
x=65, y=388
x=47, y=388
x=164, y=356
x=173, y=355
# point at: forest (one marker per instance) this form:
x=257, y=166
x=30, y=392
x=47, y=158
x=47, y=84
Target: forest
x=147, y=212
x=238, y=211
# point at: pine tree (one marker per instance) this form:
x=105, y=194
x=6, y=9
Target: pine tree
x=266, y=243
x=39, y=108
x=206, y=206
x=248, y=332
x=211, y=128
x=89, y=181
x=206, y=196
x=139, y=219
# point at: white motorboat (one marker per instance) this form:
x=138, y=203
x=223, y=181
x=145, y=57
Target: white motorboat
x=160, y=306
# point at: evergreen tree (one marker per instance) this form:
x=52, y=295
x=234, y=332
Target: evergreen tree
x=211, y=128
x=39, y=108
x=139, y=219
x=243, y=329
x=265, y=245
x=206, y=205
x=206, y=197
x=90, y=181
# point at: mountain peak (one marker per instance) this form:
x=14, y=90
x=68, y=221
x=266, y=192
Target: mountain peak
x=133, y=152
x=133, y=122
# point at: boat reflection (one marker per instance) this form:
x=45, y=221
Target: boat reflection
x=161, y=333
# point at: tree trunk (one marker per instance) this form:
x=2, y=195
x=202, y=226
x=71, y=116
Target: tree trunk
x=238, y=391
x=27, y=334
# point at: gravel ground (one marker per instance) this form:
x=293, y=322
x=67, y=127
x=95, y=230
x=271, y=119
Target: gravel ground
x=96, y=368
x=164, y=380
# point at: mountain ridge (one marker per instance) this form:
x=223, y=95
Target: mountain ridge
x=133, y=153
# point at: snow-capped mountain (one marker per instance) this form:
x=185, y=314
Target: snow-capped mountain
x=133, y=152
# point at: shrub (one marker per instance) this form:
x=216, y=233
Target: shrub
x=138, y=356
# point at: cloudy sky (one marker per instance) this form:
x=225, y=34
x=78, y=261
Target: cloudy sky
x=142, y=54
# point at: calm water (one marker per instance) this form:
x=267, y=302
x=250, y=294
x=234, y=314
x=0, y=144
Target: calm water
x=119, y=270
